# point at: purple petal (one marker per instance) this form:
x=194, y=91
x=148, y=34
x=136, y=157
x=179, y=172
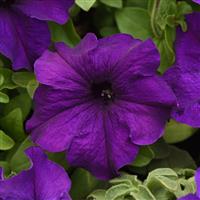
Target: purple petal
x=23, y=39
x=88, y=43
x=44, y=180
x=188, y=40
x=141, y=59
x=189, y=197
x=53, y=70
x=145, y=122
x=154, y=91
x=57, y=132
x=186, y=86
x=104, y=148
x=53, y=102
x=183, y=77
x=110, y=55
x=197, y=180
x=53, y=10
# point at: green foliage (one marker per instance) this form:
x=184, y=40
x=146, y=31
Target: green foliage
x=156, y=19
x=82, y=184
x=85, y=4
x=177, y=132
x=134, y=21
x=18, y=161
x=163, y=183
x=65, y=33
x=115, y=3
x=6, y=142
x=145, y=156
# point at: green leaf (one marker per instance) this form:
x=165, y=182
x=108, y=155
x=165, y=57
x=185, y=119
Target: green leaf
x=165, y=176
x=22, y=78
x=12, y=124
x=185, y=187
x=22, y=101
x=117, y=191
x=19, y=161
x=129, y=180
x=8, y=83
x=84, y=179
x=4, y=98
x=113, y=3
x=58, y=157
x=183, y=8
x=6, y=168
x=134, y=21
x=65, y=33
x=97, y=195
x=176, y=159
x=136, y=3
x=1, y=80
x=165, y=46
x=31, y=87
x=106, y=31
x=177, y=132
x=163, y=183
x=143, y=193
x=165, y=9
x=6, y=142
x=160, y=149
x=85, y=4
x=144, y=157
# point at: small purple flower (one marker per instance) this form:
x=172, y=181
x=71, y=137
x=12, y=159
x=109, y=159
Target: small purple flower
x=45, y=180
x=184, y=77
x=23, y=36
x=197, y=195
x=100, y=101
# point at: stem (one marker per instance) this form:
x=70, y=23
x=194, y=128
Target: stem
x=153, y=14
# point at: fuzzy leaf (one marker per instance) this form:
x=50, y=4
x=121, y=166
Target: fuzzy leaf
x=144, y=157
x=113, y=3
x=134, y=21
x=65, y=33
x=6, y=142
x=177, y=132
x=85, y=4
x=19, y=161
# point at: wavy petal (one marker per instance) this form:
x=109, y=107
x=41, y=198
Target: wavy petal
x=23, y=39
x=52, y=10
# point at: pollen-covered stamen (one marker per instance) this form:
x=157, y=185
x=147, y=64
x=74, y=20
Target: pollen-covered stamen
x=103, y=91
x=107, y=94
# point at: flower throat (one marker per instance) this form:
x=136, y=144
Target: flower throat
x=103, y=91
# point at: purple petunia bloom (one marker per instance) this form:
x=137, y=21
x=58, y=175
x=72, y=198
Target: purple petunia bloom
x=184, y=77
x=197, y=195
x=45, y=180
x=100, y=101
x=23, y=34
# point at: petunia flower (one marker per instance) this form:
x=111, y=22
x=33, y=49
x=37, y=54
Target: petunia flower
x=45, y=180
x=100, y=101
x=24, y=34
x=184, y=77
x=197, y=195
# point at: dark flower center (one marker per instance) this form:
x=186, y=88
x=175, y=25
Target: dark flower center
x=6, y=3
x=103, y=90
